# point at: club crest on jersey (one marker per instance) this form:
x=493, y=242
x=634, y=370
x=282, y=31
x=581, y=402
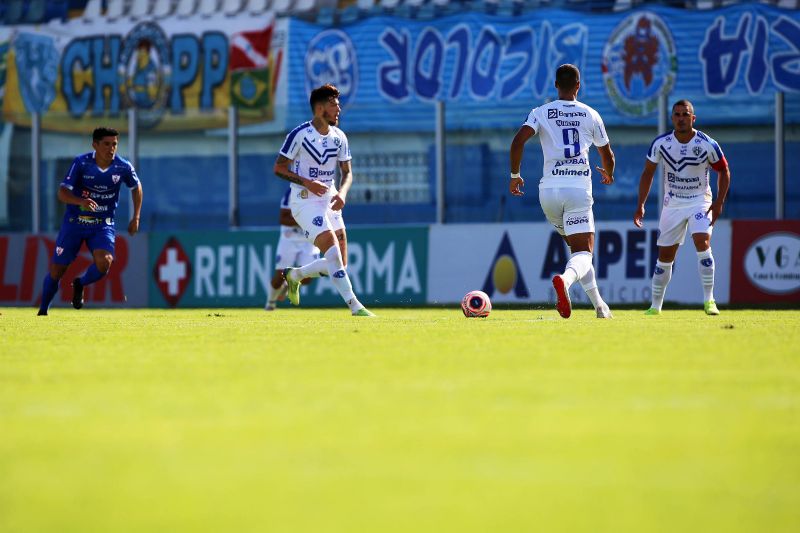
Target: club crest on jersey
x=59, y=250
x=639, y=63
x=115, y=178
x=697, y=150
x=317, y=221
x=337, y=141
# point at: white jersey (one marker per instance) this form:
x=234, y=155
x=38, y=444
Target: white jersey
x=567, y=129
x=685, y=167
x=293, y=233
x=316, y=156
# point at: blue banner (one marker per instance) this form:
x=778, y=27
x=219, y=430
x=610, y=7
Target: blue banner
x=492, y=70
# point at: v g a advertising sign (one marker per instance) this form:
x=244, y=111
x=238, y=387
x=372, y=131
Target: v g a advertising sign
x=766, y=261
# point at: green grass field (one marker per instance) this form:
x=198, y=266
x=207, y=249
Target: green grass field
x=420, y=420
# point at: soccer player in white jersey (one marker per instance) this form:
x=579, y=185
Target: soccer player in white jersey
x=293, y=250
x=686, y=154
x=567, y=128
x=308, y=159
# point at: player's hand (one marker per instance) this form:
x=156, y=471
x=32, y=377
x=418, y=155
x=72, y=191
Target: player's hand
x=87, y=204
x=638, y=216
x=606, y=179
x=316, y=187
x=515, y=186
x=716, y=211
x=133, y=226
x=337, y=202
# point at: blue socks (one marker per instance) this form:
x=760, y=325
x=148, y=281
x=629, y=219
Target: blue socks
x=91, y=275
x=49, y=290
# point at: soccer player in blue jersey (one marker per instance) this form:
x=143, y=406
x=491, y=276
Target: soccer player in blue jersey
x=91, y=191
x=686, y=154
x=308, y=160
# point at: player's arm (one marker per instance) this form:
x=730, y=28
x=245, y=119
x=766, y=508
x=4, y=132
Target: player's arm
x=346, y=170
x=515, y=155
x=136, y=197
x=645, y=182
x=723, y=185
x=281, y=169
x=286, y=218
x=609, y=162
x=65, y=195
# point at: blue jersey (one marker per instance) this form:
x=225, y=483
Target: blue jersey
x=86, y=180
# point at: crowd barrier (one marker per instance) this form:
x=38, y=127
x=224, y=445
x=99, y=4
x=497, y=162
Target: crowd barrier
x=757, y=262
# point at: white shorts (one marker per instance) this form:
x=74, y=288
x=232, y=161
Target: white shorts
x=674, y=221
x=293, y=251
x=314, y=216
x=568, y=209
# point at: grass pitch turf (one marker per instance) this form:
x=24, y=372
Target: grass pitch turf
x=420, y=420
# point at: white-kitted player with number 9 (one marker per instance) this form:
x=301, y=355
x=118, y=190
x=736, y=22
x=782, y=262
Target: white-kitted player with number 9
x=567, y=129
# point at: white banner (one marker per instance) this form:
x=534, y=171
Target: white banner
x=516, y=262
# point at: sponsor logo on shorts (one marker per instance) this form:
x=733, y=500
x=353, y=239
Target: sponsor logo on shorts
x=339, y=274
x=317, y=221
x=699, y=216
x=577, y=220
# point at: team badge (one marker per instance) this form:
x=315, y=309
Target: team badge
x=639, y=63
x=317, y=221
x=59, y=250
x=331, y=58
x=144, y=69
x=115, y=178
x=37, y=61
x=697, y=150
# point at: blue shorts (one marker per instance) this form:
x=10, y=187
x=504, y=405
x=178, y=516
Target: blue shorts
x=71, y=236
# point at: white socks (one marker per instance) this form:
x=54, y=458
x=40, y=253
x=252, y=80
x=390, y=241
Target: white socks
x=340, y=279
x=705, y=265
x=578, y=265
x=314, y=269
x=589, y=284
x=274, y=294
x=661, y=278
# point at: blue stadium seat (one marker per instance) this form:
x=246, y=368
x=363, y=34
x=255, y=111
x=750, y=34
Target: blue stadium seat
x=15, y=11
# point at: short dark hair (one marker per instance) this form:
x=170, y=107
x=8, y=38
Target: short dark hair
x=567, y=77
x=687, y=103
x=103, y=131
x=322, y=94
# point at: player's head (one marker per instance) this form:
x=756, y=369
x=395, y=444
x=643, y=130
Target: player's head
x=324, y=102
x=683, y=116
x=568, y=80
x=104, y=142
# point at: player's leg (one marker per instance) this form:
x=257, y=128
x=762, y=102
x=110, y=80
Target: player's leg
x=284, y=258
x=672, y=231
x=68, y=243
x=589, y=284
x=276, y=285
x=700, y=228
x=328, y=244
x=577, y=221
x=101, y=243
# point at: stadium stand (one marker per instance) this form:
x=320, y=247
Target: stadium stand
x=162, y=8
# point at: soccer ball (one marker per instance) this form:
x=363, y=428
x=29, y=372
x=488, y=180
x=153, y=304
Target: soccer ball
x=476, y=304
